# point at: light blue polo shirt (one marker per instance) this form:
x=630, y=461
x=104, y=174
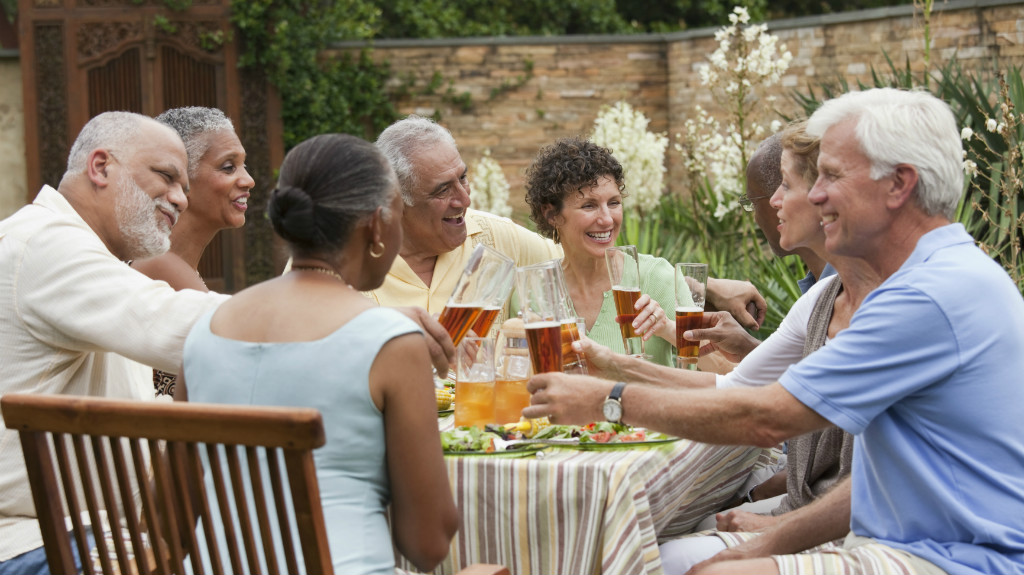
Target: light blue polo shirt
x=930, y=377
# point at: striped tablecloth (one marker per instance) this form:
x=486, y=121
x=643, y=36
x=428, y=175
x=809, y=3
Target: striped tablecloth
x=572, y=511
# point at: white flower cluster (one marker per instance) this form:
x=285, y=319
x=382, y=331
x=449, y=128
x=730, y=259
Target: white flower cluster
x=490, y=188
x=747, y=59
x=759, y=59
x=623, y=130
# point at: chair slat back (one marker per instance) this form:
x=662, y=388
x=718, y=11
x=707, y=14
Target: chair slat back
x=156, y=474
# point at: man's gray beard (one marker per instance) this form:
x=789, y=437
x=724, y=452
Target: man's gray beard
x=137, y=221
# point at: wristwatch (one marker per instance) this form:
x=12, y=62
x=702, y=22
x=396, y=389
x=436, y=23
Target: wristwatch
x=612, y=406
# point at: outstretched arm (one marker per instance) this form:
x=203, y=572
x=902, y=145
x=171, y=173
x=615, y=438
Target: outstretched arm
x=763, y=416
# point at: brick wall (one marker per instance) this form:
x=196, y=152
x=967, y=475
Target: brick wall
x=572, y=78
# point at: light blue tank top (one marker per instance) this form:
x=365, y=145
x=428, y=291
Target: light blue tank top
x=331, y=375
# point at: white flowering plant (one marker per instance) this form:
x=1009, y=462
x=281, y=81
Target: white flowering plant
x=715, y=152
x=490, y=187
x=623, y=130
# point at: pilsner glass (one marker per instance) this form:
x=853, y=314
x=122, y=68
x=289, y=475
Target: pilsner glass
x=624, y=273
x=547, y=319
x=488, y=275
x=691, y=288
x=474, y=382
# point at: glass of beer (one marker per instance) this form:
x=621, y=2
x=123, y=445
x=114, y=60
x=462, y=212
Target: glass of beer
x=624, y=273
x=511, y=371
x=542, y=298
x=492, y=309
x=474, y=382
x=488, y=274
x=691, y=289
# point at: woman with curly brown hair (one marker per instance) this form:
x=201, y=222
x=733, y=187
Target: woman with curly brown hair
x=574, y=189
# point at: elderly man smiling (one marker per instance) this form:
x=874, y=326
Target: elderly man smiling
x=74, y=318
x=927, y=375
x=440, y=230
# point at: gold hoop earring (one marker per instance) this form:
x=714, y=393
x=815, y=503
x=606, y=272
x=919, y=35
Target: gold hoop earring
x=377, y=254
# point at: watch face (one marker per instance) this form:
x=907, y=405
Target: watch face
x=612, y=410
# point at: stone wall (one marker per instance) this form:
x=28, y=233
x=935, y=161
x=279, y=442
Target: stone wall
x=526, y=92
x=12, y=139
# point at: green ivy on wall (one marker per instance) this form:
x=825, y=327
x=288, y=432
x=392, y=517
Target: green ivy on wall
x=287, y=39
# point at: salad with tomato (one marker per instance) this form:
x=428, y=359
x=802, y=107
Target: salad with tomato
x=473, y=439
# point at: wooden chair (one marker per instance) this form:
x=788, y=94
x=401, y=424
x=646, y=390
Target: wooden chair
x=137, y=466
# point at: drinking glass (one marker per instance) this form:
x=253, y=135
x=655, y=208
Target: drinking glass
x=488, y=275
x=492, y=309
x=550, y=326
x=511, y=372
x=624, y=273
x=691, y=289
x=474, y=382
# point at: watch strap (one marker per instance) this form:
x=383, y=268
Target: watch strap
x=616, y=393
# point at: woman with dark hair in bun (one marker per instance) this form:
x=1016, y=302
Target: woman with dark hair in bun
x=309, y=339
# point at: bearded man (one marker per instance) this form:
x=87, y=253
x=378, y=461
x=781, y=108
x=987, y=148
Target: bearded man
x=74, y=318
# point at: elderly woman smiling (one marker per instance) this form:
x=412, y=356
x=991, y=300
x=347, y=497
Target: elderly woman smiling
x=574, y=189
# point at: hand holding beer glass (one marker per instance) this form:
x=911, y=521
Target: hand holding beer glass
x=624, y=273
x=487, y=277
x=691, y=290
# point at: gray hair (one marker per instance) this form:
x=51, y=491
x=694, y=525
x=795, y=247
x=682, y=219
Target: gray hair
x=766, y=161
x=107, y=130
x=404, y=138
x=193, y=123
x=904, y=127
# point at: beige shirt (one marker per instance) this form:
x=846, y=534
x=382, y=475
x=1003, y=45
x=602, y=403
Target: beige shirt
x=403, y=287
x=74, y=320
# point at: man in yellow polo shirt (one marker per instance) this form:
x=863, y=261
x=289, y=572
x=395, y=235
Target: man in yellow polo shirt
x=440, y=230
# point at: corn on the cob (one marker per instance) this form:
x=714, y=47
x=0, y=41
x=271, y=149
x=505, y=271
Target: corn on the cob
x=528, y=427
x=444, y=398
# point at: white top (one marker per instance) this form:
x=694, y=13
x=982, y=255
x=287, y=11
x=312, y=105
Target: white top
x=68, y=307
x=783, y=348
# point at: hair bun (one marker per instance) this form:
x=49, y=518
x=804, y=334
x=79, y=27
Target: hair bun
x=291, y=214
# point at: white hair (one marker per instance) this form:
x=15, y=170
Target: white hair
x=193, y=123
x=109, y=130
x=903, y=127
x=406, y=137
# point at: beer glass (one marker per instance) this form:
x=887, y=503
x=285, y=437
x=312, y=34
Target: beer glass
x=691, y=289
x=492, y=309
x=488, y=274
x=511, y=371
x=624, y=273
x=550, y=326
x=474, y=382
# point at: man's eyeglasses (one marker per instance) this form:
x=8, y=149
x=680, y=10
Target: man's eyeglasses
x=748, y=203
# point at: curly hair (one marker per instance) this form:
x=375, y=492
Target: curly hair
x=570, y=165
